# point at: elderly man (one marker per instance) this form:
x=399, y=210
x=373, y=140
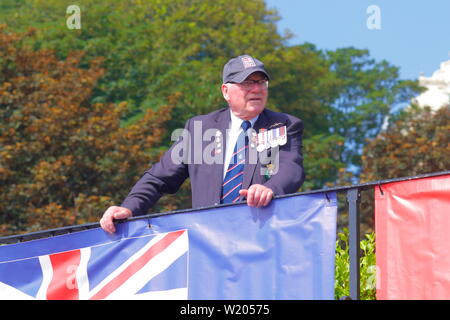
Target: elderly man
x=243, y=129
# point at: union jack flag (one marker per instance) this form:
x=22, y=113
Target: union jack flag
x=143, y=267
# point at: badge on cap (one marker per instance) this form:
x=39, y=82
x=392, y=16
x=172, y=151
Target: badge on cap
x=248, y=62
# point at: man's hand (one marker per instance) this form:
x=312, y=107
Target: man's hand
x=257, y=195
x=114, y=212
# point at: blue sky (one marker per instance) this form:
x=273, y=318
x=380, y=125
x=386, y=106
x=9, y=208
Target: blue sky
x=414, y=34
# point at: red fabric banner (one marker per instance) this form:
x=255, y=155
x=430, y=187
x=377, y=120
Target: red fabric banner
x=412, y=225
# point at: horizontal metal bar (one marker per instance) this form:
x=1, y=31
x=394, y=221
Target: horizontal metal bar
x=49, y=232
x=70, y=229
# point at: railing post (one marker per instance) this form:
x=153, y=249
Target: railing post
x=353, y=198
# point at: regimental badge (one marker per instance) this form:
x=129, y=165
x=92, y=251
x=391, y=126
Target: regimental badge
x=269, y=170
x=275, y=125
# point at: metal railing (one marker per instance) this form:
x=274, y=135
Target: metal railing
x=353, y=197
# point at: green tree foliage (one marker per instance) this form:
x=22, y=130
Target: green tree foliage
x=418, y=142
x=368, y=91
x=157, y=49
x=322, y=160
x=63, y=159
x=303, y=85
x=367, y=267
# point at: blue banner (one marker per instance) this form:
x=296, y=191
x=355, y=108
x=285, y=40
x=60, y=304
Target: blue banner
x=283, y=251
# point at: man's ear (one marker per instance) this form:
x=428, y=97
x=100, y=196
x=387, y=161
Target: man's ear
x=225, y=89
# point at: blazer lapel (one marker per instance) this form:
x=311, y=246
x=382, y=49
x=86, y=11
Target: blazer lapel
x=222, y=123
x=249, y=168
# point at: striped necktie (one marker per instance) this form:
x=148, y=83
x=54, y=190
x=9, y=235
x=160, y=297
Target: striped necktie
x=234, y=176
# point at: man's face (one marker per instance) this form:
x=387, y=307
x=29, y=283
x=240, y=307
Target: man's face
x=246, y=100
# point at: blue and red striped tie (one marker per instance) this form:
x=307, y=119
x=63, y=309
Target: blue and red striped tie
x=234, y=176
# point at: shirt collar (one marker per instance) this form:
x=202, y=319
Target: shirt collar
x=236, y=122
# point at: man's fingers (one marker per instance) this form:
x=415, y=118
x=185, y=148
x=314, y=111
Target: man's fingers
x=122, y=213
x=259, y=198
x=250, y=196
x=243, y=192
x=114, y=212
x=106, y=221
x=259, y=195
x=253, y=196
x=268, y=197
x=107, y=224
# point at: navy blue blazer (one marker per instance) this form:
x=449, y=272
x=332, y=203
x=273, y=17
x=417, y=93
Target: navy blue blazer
x=206, y=179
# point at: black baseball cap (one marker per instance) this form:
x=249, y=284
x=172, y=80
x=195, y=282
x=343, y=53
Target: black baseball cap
x=239, y=68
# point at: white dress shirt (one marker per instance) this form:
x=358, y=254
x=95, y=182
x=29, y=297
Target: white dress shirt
x=232, y=135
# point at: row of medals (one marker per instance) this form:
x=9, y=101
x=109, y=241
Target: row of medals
x=264, y=139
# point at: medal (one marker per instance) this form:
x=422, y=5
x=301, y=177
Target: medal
x=266, y=139
x=254, y=140
x=261, y=144
x=282, y=136
x=273, y=138
x=218, y=140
